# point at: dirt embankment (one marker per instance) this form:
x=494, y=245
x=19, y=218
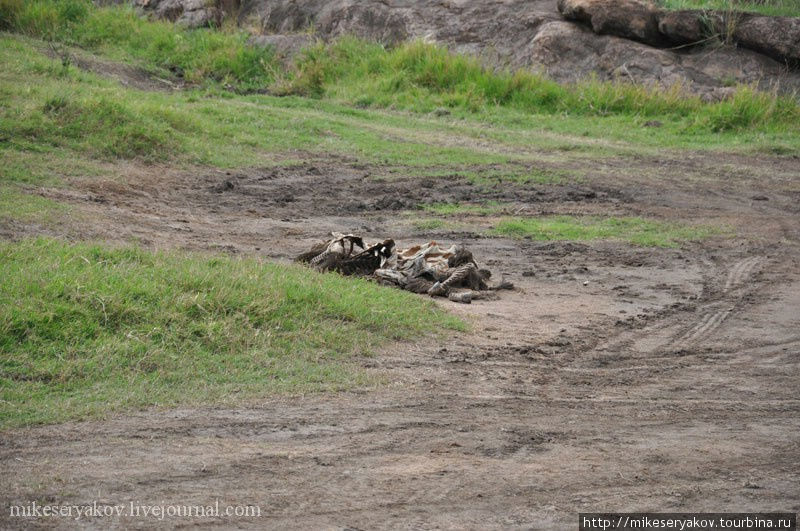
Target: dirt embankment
x=569, y=40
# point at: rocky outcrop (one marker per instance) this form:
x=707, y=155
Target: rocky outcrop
x=776, y=37
x=189, y=13
x=533, y=34
x=499, y=32
x=370, y=20
x=609, y=39
x=628, y=19
x=689, y=26
x=373, y=22
x=570, y=53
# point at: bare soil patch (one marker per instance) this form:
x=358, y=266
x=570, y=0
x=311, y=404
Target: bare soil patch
x=615, y=377
x=125, y=74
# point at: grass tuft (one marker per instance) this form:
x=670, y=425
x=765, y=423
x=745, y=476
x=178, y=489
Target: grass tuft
x=454, y=209
x=16, y=205
x=427, y=224
x=634, y=230
x=9, y=13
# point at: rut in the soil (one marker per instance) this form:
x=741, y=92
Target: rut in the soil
x=689, y=325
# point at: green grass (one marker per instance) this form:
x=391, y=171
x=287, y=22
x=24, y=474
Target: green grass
x=637, y=231
x=44, y=165
x=61, y=111
x=454, y=209
x=78, y=116
x=784, y=8
x=422, y=77
x=429, y=224
x=197, y=55
x=55, y=121
x=27, y=208
x=86, y=330
x=414, y=76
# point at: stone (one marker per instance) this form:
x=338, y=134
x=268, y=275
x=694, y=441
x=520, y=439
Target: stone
x=628, y=19
x=200, y=18
x=286, y=46
x=687, y=26
x=776, y=37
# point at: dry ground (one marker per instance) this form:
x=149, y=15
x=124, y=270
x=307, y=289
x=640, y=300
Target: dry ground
x=667, y=382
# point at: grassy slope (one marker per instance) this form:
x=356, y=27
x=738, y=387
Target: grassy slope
x=119, y=33
x=85, y=329
x=76, y=117
x=61, y=106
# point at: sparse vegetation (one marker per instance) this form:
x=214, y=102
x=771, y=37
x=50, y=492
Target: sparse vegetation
x=784, y=8
x=86, y=330
x=429, y=224
x=638, y=231
x=522, y=176
x=451, y=209
x=634, y=230
x=28, y=208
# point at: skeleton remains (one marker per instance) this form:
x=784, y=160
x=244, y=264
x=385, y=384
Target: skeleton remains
x=428, y=268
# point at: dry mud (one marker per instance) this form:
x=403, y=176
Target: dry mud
x=614, y=378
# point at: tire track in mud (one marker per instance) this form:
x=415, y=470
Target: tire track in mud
x=669, y=334
x=714, y=317
x=705, y=326
x=740, y=272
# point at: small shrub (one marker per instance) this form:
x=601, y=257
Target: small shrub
x=9, y=11
x=73, y=11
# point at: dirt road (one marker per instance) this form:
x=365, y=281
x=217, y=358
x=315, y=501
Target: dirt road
x=615, y=378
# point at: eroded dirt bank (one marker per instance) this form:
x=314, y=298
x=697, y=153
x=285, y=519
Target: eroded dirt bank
x=614, y=378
